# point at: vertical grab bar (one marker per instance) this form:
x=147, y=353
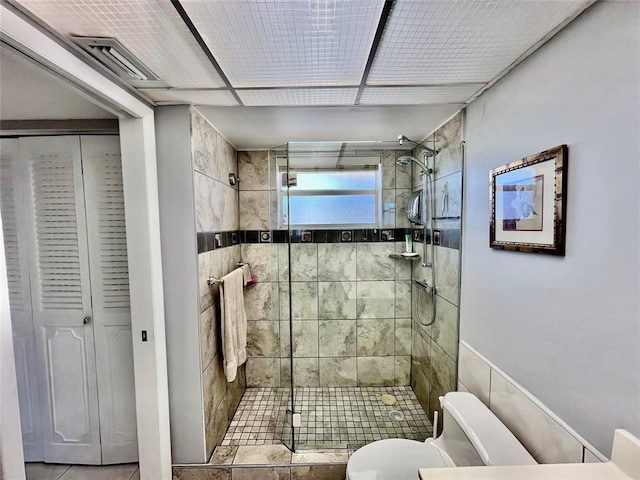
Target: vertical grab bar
x=428, y=209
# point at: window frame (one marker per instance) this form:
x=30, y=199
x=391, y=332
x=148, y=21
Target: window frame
x=283, y=191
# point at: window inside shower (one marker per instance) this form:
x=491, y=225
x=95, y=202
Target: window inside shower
x=330, y=197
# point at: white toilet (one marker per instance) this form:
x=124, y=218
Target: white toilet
x=471, y=435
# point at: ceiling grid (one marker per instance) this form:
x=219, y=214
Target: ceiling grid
x=288, y=43
x=382, y=23
x=419, y=95
x=298, y=96
x=315, y=52
x=444, y=41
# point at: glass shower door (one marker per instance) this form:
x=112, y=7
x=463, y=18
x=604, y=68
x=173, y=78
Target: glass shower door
x=283, y=406
x=329, y=192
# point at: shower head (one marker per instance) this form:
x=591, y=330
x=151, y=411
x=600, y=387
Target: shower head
x=407, y=159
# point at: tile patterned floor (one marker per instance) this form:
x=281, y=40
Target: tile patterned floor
x=259, y=418
x=340, y=417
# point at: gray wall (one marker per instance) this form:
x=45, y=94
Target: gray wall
x=566, y=328
x=180, y=277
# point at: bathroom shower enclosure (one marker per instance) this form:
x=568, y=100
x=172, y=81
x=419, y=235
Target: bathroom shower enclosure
x=348, y=297
x=351, y=301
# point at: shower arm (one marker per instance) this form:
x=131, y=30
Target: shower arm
x=430, y=151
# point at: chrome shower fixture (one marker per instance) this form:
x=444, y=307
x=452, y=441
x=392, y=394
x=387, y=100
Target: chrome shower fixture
x=426, y=213
x=407, y=159
x=429, y=151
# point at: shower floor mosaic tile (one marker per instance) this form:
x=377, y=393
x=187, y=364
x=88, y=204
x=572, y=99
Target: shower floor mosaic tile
x=332, y=417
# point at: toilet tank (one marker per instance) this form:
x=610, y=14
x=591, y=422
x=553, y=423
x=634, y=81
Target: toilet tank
x=473, y=435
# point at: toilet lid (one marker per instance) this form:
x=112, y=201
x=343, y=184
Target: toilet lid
x=393, y=459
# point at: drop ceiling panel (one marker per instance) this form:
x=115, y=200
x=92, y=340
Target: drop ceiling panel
x=152, y=30
x=220, y=98
x=443, y=41
x=298, y=96
x=444, y=94
x=288, y=43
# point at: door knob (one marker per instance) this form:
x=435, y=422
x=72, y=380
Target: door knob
x=86, y=320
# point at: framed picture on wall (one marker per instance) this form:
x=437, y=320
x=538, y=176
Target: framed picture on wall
x=528, y=203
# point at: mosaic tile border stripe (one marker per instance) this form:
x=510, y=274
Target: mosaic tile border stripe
x=449, y=238
x=207, y=241
x=325, y=236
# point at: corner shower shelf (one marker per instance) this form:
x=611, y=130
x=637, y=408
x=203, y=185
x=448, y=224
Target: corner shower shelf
x=399, y=256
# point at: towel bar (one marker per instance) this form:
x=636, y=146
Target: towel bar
x=212, y=280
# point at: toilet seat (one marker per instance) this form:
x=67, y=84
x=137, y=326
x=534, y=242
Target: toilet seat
x=393, y=459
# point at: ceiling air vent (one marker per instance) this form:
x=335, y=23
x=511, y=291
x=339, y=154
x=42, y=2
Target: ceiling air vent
x=116, y=57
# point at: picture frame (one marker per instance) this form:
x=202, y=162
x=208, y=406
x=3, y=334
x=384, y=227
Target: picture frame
x=528, y=203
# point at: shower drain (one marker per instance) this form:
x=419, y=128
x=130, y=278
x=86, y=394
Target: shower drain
x=396, y=415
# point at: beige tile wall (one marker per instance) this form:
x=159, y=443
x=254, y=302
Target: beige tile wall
x=546, y=438
x=216, y=210
x=435, y=348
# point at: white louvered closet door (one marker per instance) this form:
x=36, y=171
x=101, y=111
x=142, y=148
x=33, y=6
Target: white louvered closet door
x=13, y=224
x=110, y=294
x=61, y=299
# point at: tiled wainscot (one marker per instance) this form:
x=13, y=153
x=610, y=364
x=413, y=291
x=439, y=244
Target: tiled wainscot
x=541, y=432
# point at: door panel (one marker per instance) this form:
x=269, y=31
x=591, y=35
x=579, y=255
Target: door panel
x=13, y=223
x=118, y=422
x=108, y=262
x=68, y=381
x=24, y=353
x=61, y=299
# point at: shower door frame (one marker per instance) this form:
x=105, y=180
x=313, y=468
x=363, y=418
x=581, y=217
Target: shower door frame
x=292, y=397
x=283, y=414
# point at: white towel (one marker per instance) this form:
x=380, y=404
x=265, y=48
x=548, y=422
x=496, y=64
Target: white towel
x=246, y=273
x=234, y=323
